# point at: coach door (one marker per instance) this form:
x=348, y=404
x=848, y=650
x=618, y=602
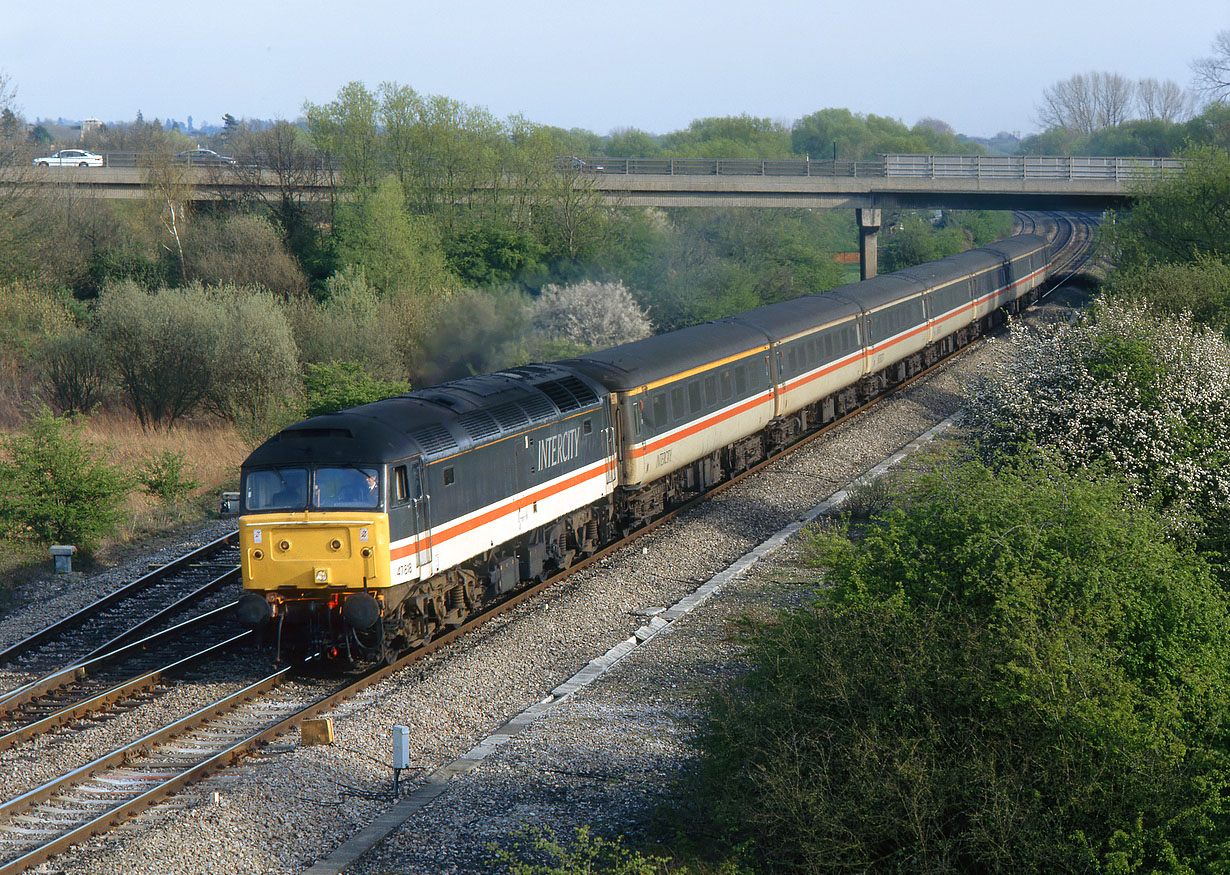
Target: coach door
x=609, y=464
x=420, y=503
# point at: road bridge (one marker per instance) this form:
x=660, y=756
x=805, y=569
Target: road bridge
x=892, y=182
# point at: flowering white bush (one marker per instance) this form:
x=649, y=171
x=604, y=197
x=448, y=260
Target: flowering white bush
x=1145, y=395
x=590, y=315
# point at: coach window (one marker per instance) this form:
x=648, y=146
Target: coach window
x=710, y=391
x=694, y=396
x=401, y=485
x=794, y=360
x=727, y=386
x=659, y=409
x=448, y=476
x=741, y=380
x=677, y=411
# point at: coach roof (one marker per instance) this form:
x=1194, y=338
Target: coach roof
x=632, y=365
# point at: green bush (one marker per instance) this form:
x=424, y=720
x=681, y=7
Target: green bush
x=540, y=852
x=338, y=385
x=1017, y=671
x=164, y=476
x=1200, y=287
x=56, y=489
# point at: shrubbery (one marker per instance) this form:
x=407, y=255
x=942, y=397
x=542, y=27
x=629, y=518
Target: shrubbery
x=1146, y=397
x=55, y=487
x=331, y=387
x=1017, y=671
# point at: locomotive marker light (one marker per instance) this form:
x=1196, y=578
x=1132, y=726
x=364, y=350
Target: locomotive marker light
x=401, y=756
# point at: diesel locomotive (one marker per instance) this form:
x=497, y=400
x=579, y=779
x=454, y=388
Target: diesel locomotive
x=368, y=531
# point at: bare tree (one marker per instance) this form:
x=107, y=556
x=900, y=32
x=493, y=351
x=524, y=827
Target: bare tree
x=1213, y=72
x=1087, y=102
x=1163, y=101
x=19, y=207
x=938, y=125
x=168, y=193
x=284, y=154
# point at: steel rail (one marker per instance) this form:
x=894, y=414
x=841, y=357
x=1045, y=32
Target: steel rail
x=19, y=696
x=126, y=591
x=116, y=693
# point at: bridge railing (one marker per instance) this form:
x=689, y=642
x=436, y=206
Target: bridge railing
x=1027, y=166
x=922, y=166
x=723, y=167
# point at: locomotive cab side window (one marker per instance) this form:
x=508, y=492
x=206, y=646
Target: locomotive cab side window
x=449, y=476
x=401, y=485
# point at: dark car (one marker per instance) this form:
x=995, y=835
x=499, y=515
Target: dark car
x=202, y=157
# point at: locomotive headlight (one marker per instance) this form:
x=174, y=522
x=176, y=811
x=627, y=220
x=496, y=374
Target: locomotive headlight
x=283, y=545
x=335, y=545
x=367, y=552
x=257, y=554
x=322, y=575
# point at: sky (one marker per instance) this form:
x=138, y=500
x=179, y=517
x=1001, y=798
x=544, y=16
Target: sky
x=655, y=65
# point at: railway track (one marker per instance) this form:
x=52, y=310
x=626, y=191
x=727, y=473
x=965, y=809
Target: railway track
x=194, y=583
x=44, y=820
x=118, y=678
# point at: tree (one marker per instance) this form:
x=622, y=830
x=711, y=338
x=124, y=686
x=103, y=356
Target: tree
x=1016, y=671
x=1163, y=101
x=286, y=151
x=241, y=250
x=1177, y=216
x=589, y=315
x=398, y=253
x=56, y=487
x=1144, y=396
x=346, y=131
x=331, y=387
x=162, y=347
x=1087, y=102
x=1213, y=72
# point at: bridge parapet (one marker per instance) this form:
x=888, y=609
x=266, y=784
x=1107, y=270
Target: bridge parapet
x=1075, y=167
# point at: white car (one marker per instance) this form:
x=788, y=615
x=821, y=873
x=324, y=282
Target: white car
x=70, y=158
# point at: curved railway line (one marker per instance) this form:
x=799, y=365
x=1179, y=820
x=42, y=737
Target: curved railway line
x=92, y=663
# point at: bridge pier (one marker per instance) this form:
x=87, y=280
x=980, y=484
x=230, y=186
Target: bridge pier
x=868, y=242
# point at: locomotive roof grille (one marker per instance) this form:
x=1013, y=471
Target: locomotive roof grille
x=434, y=438
x=538, y=407
x=479, y=424
x=568, y=393
x=510, y=415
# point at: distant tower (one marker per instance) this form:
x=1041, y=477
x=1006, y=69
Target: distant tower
x=189, y=122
